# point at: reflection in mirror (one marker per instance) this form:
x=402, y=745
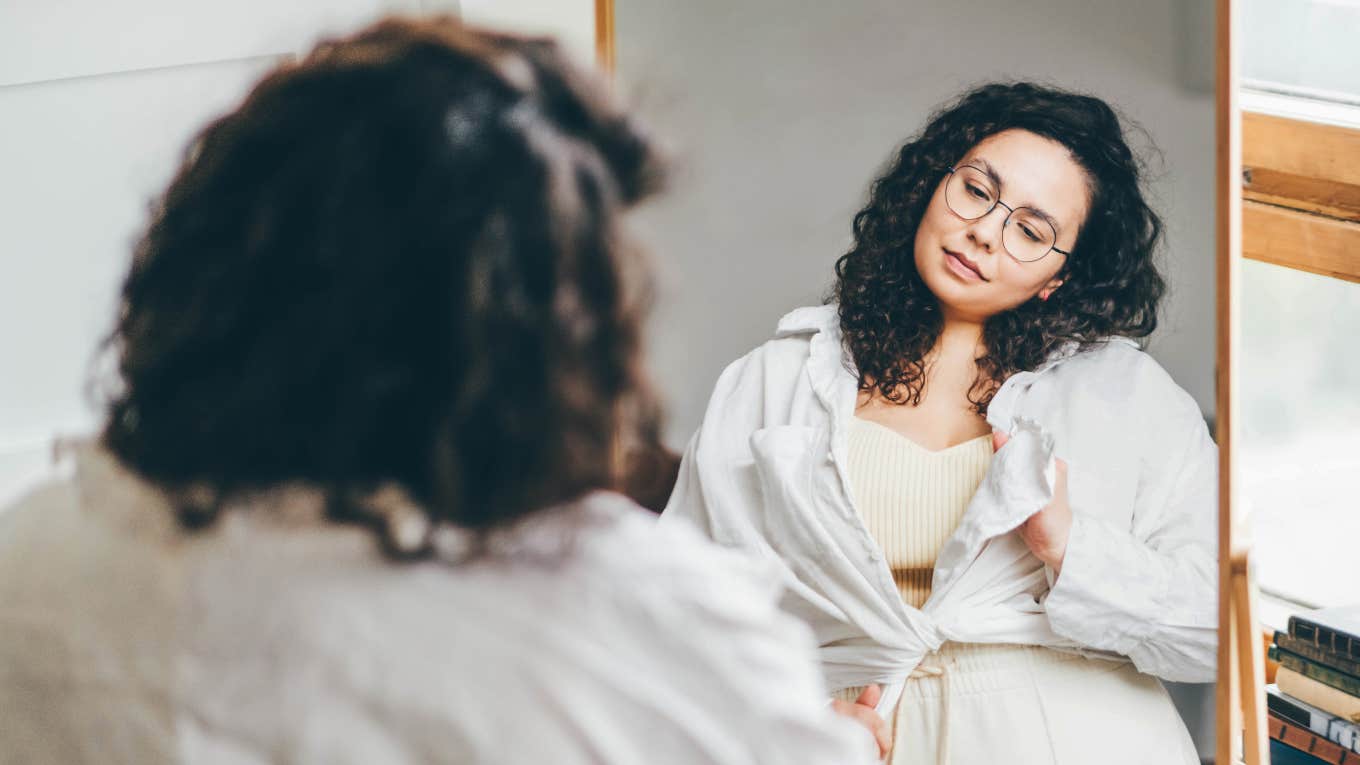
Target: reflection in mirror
x=815, y=151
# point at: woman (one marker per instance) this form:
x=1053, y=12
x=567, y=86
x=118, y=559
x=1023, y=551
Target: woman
x=352, y=504
x=1018, y=606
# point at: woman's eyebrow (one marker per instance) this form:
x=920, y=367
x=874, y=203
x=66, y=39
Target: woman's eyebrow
x=991, y=173
x=1042, y=213
x=987, y=168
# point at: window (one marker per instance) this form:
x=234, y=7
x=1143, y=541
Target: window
x=1299, y=382
x=1299, y=366
x=1302, y=47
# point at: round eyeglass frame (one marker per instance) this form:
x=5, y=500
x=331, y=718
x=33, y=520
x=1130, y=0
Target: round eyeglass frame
x=1005, y=223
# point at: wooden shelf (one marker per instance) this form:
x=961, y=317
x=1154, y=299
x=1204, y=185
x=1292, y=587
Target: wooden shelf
x=1305, y=241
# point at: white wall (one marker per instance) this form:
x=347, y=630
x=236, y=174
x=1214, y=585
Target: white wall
x=97, y=103
x=780, y=113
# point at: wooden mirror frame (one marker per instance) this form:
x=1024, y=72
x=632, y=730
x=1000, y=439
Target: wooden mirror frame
x=604, y=34
x=1239, y=699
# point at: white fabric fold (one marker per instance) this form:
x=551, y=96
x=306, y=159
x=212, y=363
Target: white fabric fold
x=587, y=634
x=766, y=472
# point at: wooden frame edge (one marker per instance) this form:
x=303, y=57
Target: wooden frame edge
x=1227, y=204
x=1239, y=698
x=1300, y=240
x=604, y=34
x=1299, y=147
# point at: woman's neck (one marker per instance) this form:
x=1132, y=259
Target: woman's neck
x=943, y=414
x=958, y=346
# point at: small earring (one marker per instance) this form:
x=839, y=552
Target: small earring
x=1044, y=295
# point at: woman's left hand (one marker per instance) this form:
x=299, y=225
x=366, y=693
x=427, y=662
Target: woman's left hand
x=1046, y=531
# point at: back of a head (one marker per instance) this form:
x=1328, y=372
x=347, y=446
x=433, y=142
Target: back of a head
x=398, y=263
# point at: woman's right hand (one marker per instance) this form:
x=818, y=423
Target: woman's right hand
x=863, y=711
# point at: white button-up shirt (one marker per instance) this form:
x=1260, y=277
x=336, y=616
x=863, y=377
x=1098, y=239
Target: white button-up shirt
x=592, y=635
x=767, y=472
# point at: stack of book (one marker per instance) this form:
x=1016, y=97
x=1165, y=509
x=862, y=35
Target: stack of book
x=1314, y=705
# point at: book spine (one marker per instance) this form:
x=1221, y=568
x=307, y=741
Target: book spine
x=1318, y=654
x=1317, y=694
x=1344, y=734
x=1284, y=754
x=1325, y=675
x=1292, y=713
x=1307, y=741
x=1295, y=711
x=1322, y=723
x=1322, y=636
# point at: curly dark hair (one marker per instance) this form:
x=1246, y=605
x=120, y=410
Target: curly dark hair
x=1111, y=285
x=399, y=264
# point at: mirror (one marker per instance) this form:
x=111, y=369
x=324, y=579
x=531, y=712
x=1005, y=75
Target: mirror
x=782, y=117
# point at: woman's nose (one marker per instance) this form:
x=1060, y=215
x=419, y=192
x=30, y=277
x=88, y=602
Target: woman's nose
x=986, y=232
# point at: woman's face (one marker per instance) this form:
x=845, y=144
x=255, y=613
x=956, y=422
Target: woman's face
x=964, y=262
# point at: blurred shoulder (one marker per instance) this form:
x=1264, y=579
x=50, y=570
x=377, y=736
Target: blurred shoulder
x=678, y=561
x=602, y=563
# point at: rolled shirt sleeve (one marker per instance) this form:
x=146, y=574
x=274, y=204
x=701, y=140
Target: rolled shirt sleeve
x=1149, y=591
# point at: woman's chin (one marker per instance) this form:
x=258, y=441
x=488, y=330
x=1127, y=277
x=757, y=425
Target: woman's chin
x=951, y=292
x=959, y=301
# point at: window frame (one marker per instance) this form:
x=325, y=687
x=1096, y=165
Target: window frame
x=1301, y=184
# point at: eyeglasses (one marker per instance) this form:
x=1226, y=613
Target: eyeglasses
x=1025, y=234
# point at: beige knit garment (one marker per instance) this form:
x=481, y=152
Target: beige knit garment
x=912, y=498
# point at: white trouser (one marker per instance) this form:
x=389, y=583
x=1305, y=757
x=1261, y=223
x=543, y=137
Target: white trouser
x=975, y=704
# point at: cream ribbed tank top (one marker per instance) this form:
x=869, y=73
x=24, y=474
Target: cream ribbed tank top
x=911, y=498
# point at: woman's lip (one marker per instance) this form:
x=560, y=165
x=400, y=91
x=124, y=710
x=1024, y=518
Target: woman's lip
x=961, y=267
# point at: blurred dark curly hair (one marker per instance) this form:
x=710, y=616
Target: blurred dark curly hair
x=397, y=265
x=889, y=318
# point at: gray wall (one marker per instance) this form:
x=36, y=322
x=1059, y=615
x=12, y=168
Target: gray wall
x=779, y=114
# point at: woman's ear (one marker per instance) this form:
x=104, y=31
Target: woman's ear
x=1048, y=289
